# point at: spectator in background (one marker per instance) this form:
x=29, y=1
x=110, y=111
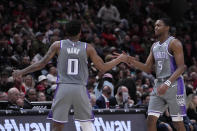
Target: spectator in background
x=22, y=95
x=192, y=108
x=38, y=47
x=103, y=100
x=145, y=98
x=93, y=101
x=41, y=96
x=4, y=81
x=42, y=83
x=106, y=80
x=25, y=62
x=52, y=76
x=120, y=35
x=108, y=14
x=3, y=96
x=18, y=84
x=28, y=82
x=136, y=45
x=108, y=36
x=31, y=95
x=188, y=84
x=128, y=82
x=193, y=76
x=13, y=96
x=119, y=97
x=20, y=102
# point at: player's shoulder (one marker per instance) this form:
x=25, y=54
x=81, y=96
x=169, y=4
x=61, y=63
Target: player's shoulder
x=175, y=42
x=89, y=46
x=56, y=44
x=90, y=49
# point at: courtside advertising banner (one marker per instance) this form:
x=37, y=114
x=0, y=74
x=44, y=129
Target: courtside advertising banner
x=102, y=122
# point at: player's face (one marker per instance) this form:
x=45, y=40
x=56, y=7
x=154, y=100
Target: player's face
x=160, y=27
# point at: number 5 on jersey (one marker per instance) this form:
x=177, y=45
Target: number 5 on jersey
x=160, y=63
x=73, y=65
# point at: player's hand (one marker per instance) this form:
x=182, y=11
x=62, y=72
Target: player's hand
x=131, y=61
x=17, y=74
x=161, y=90
x=123, y=57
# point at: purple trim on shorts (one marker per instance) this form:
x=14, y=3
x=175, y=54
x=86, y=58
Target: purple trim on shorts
x=50, y=115
x=62, y=122
x=84, y=120
x=155, y=112
x=177, y=115
x=92, y=116
x=180, y=91
x=172, y=64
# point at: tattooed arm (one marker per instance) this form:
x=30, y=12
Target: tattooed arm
x=54, y=49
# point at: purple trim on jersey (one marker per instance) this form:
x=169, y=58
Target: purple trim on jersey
x=180, y=91
x=172, y=64
x=92, y=116
x=183, y=110
x=171, y=38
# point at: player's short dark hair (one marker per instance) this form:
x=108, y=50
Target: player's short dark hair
x=73, y=28
x=166, y=21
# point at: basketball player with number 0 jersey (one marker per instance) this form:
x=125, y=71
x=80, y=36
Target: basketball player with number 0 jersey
x=72, y=76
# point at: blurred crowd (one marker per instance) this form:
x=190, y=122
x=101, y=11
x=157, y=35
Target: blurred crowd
x=28, y=28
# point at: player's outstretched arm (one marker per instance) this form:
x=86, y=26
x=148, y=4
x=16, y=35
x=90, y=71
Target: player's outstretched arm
x=54, y=48
x=147, y=67
x=98, y=62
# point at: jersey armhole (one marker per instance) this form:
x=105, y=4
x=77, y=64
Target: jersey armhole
x=86, y=46
x=153, y=46
x=167, y=48
x=60, y=44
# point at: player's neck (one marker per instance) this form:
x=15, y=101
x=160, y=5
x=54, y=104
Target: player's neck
x=74, y=38
x=163, y=38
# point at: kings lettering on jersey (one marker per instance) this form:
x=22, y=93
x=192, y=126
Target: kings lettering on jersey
x=161, y=55
x=73, y=50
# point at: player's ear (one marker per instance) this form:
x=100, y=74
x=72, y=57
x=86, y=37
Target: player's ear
x=168, y=28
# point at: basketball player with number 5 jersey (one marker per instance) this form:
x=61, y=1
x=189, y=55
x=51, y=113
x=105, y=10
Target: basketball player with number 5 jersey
x=166, y=56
